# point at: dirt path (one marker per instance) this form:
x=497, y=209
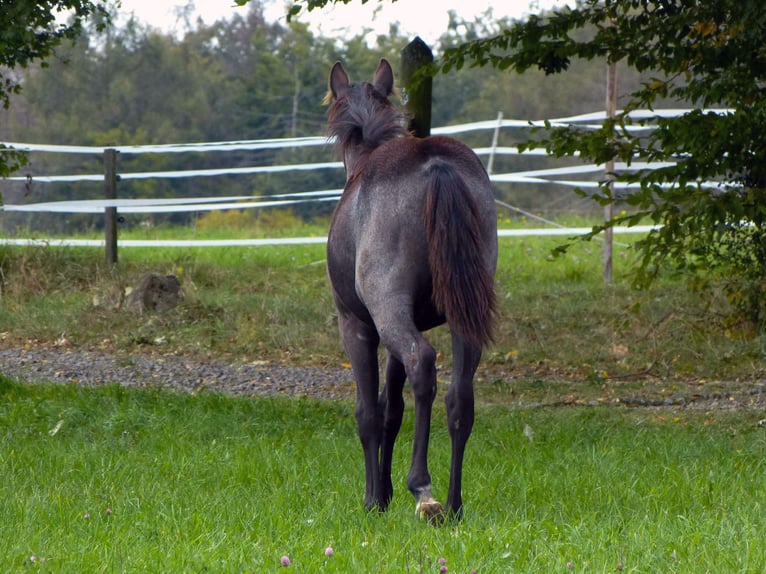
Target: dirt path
x=49, y=363
x=38, y=364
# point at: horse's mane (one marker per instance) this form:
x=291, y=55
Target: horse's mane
x=364, y=117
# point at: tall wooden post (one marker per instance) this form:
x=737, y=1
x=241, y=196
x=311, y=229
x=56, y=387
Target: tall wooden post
x=611, y=110
x=417, y=87
x=110, y=213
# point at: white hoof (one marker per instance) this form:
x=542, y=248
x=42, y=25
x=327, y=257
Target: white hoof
x=429, y=510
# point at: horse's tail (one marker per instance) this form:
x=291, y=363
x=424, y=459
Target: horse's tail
x=463, y=284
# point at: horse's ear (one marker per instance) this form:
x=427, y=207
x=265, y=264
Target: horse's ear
x=339, y=81
x=384, y=78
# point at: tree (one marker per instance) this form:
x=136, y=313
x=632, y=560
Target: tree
x=702, y=54
x=29, y=32
x=239, y=78
x=705, y=54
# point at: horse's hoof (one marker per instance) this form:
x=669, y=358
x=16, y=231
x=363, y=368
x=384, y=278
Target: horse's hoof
x=430, y=511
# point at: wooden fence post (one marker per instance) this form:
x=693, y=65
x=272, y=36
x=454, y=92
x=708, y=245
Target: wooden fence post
x=110, y=213
x=417, y=87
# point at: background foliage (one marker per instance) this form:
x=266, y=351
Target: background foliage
x=30, y=31
x=246, y=78
x=709, y=198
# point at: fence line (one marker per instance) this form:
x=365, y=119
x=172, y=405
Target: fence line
x=262, y=144
x=202, y=147
x=539, y=232
x=187, y=173
x=540, y=176
x=280, y=143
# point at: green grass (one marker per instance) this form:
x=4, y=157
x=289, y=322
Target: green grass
x=220, y=484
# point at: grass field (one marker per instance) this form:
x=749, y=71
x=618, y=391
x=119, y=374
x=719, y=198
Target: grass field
x=123, y=480
x=120, y=480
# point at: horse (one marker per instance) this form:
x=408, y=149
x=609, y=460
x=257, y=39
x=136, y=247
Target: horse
x=412, y=245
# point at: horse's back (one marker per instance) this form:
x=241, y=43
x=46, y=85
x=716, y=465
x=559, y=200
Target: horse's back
x=408, y=160
x=379, y=235
x=398, y=174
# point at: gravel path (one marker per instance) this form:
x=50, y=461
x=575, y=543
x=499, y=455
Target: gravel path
x=39, y=364
x=65, y=364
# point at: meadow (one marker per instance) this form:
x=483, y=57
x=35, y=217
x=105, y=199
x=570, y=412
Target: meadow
x=123, y=480
x=115, y=479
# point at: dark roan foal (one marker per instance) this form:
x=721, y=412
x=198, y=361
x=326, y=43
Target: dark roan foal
x=413, y=243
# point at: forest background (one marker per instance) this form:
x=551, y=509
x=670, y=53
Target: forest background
x=247, y=78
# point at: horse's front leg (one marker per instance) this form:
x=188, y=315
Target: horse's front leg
x=361, y=344
x=392, y=405
x=460, y=415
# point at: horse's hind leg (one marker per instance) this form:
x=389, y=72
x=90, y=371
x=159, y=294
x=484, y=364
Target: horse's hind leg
x=421, y=370
x=418, y=357
x=460, y=415
x=392, y=405
x=361, y=344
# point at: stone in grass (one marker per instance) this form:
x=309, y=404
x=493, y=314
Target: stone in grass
x=155, y=294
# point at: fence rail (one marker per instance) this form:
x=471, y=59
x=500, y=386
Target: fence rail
x=536, y=232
